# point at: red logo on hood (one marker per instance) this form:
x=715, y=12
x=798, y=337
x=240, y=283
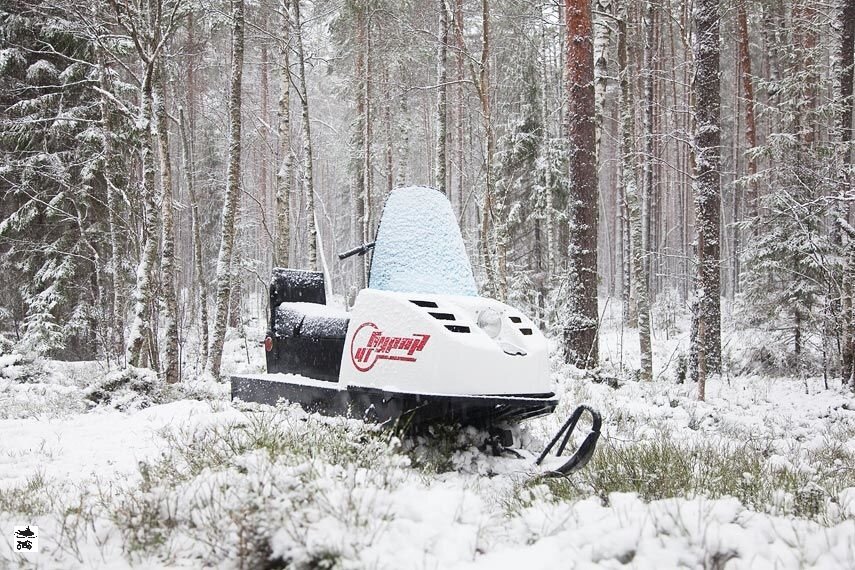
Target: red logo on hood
x=369, y=345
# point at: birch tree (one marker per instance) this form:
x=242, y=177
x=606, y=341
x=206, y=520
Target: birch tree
x=169, y=303
x=232, y=197
x=148, y=37
x=308, y=180
x=630, y=190
x=283, y=173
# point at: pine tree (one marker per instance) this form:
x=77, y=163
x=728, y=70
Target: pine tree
x=54, y=223
x=788, y=266
x=441, y=170
x=582, y=329
x=707, y=140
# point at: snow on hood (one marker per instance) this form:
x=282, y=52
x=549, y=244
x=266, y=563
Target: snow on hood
x=419, y=248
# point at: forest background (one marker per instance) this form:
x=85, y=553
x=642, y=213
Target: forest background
x=675, y=157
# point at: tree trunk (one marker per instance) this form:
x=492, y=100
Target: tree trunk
x=117, y=314
x=748, y=90
x=141, y=327
x=483, y=84
x=403, y=176
x=441, y=101
x=359, y=198
x=647, y=127
x=602, y=46
x=189, y=173
x=283, y=174
x=367, y=181
x=546, y=146
x=847, y=62
x=387, y=126
x=308, y=181
x=630, y=190
x=169, y=301
x=458, y=17
x=232, y=198
x=707, y=141
x=581, y=333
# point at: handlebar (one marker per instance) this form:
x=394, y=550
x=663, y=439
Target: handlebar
x=358, y=250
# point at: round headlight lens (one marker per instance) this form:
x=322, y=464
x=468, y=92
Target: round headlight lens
x=490, y=321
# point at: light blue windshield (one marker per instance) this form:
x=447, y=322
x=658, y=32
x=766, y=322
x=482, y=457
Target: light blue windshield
x=419, y=248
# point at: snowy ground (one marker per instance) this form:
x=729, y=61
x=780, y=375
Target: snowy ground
x=762, y=475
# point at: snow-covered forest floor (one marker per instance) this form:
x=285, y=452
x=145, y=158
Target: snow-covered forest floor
x=117, y=471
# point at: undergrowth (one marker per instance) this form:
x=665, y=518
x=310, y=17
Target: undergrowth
x=248, y=491
x=665, y=468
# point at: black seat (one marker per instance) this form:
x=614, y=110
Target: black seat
x=304, y=342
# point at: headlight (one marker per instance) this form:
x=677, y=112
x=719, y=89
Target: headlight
x=490, y=321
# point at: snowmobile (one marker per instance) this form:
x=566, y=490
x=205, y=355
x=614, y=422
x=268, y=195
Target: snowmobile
x=418, y=346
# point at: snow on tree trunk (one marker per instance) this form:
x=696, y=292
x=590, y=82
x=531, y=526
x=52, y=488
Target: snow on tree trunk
x=627, y=168
x=441, y=100
x=141, y=326
x=748, y=89
x=549, y=206
x=308, y=179
x=630, y=191
x=459, y=115
x=580, y=122
x=232, y=198
x=169, y=300
x=283, y=173
x=847, y=62
x=602, y=46
x=358, y=154
x=403, y=177
x=367, y=183
x=483, y=88
x=387, y=127
x=647, y=128
x=707, y=186
x=117, y=315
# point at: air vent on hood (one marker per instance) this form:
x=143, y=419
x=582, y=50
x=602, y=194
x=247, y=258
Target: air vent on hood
x=457, y=328
x=425, y=304
x=516, y=320
x=442, y=316
x=526, y=332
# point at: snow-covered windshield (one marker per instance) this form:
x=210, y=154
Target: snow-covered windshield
x=419, y=248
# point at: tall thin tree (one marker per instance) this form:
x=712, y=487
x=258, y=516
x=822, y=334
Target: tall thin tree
x=232, y=198
x=629, y=185
x=189, y=167
x=580, y=125
x=308, y=178
x=283, y=173
x=847, y=73
x=440, y=172
x=707, y=142
x=169, y=301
